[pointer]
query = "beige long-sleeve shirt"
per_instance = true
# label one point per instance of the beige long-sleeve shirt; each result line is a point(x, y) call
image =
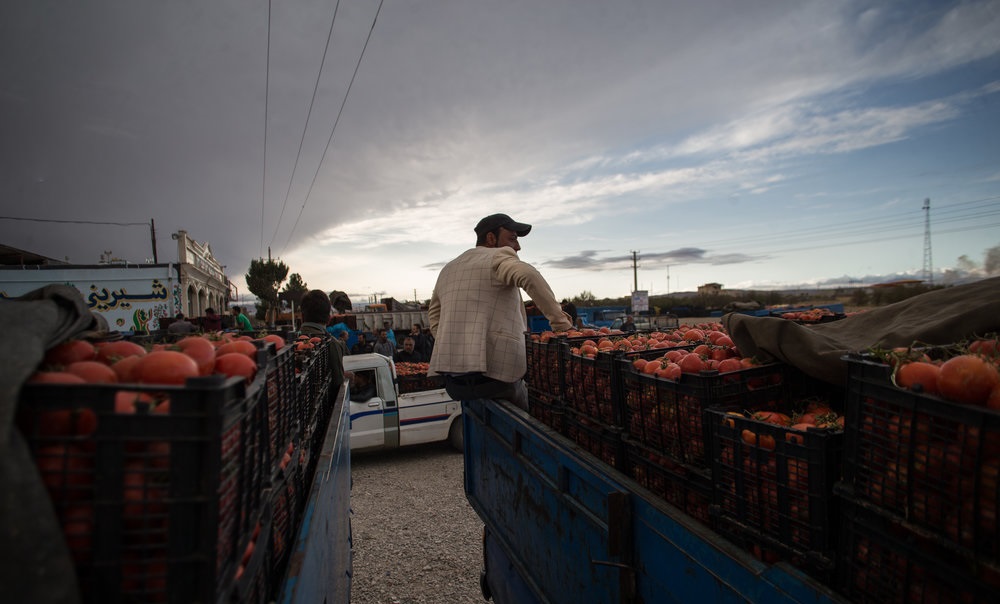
point(477, 315)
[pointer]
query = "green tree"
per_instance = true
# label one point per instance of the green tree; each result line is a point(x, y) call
point(294, 289)
point(263, 280)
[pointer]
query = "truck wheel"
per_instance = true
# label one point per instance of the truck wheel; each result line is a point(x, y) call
point(455, 434)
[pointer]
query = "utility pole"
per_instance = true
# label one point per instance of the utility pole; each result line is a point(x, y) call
point(152, 237)
point(635, 272)
point(668, 279)
point(928, 263)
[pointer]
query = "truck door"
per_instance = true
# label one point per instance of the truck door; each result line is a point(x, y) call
point(367, 410)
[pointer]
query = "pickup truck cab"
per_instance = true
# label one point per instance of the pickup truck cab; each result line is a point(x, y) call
point(385, 416)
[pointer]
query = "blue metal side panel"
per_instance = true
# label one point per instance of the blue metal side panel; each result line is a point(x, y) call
point(321, 564)
point(548, 508)
point(553, 518)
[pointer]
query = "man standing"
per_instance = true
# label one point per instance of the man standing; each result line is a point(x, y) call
point(383, 346)
point(409, 354)
point(477, 316)
point(315, 316)
point(240, 320)
point(181, 325)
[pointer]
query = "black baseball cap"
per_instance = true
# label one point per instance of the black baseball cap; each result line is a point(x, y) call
point(495, 221)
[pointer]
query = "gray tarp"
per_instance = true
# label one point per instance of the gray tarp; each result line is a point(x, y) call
point(35, 564)
point(944, 316)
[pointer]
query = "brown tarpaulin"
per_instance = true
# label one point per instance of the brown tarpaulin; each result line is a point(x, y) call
point(35, 563)
point(944, 316)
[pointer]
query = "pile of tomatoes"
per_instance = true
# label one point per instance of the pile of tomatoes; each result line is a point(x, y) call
point(123, 361)
point(970, 378)
point(65, 438)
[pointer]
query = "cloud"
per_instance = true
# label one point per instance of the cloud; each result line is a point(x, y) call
point(591, 259)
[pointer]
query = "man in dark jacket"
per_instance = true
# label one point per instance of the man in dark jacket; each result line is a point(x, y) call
point(409, 354)
point(315, 316)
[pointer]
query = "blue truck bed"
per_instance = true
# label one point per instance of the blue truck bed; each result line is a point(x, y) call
point(564, 527)
point(320, 566)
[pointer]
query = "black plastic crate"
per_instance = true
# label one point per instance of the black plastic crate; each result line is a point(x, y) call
point(776, 484)
point(880, 560)
point(544, 373)
point(588, 386)
point(604, 442)
point(550, 413)
point(286, 506)
point(666, 415)
point(923, 460)
point(688, 489)
point(255, 578)
point(412, 377)
point(157, 504)
point(313, 374)
point(282, 414)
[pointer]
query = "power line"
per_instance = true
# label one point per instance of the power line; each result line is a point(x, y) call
point(267, 96)
point(305, 127)
point(146, 224)
point(333, 130)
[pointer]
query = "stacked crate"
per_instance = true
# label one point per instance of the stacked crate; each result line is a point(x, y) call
point(921, 487)
point(156, 506)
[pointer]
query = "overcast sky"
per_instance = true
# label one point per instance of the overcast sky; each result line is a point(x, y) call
point(753, 144)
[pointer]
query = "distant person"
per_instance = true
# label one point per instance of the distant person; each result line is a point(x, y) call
point(421, 344)
point(570, 309)
point(181, 325)
point(341, 334)
point(477, 315)
point(428, 343)
point(240, 320)
point(390, 334)
point(629, 325)
point(362, 346)
point(211, 321)
point(315, 315)
point(383, 346)
point(363, 386)
point(409, 354)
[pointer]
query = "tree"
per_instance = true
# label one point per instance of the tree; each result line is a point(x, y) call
point(263, 280)
point(584, 298)
point(294, 289)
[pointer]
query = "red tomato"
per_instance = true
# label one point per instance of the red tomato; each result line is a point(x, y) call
point(109, 352)
point(165, 367)
point(279, 342)
point(764, 441)
point(67, 471)
point(772, 417)
point(124, 368)
point(235, 363)
point(93, 372)
point(55, 377)
point(918, 375)
point(65, 422)
point(125, 400)
point(244, 347)
point(670, 371)
point(731, 364)
point(993, 400)
point(691, 363)
point(70, 352)
point(967, 379)
point(201, 350)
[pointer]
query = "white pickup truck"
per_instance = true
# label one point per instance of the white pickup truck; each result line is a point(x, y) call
point(390, 411)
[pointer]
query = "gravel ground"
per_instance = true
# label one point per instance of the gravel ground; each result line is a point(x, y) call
point(416, 538)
